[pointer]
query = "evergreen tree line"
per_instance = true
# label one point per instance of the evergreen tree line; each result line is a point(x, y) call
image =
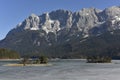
point(8, 54)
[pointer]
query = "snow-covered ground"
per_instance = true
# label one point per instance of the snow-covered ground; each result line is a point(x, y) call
point(63, 70)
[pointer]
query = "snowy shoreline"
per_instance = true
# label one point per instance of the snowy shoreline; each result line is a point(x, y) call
point(10, 59)
point(15, 65)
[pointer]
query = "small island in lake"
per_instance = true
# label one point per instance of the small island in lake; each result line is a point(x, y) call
point(98, 59)
point(6, 54)
point(39, 60)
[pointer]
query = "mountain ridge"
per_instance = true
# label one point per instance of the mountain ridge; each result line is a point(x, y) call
point(61, 29)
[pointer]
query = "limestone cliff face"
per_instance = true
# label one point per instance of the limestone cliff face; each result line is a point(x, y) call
point(82, 21)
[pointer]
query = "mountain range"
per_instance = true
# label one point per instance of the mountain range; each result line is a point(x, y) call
point(63, 33)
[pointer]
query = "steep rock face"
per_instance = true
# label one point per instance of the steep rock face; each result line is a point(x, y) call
point(109, 19)
point(86, 19)
point(63, 16)
point(49, 25)
point(31, 23)
point(61, 29)
point(111, 12)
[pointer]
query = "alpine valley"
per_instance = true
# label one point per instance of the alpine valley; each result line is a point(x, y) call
point(68, 34)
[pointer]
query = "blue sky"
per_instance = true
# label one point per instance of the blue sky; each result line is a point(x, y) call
point(13, 12)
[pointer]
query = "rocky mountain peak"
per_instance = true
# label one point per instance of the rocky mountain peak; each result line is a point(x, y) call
point(86, 19)
point(32, 22)
point(111, 12)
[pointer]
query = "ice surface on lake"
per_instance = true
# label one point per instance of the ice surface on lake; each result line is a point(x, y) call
point(63, 70)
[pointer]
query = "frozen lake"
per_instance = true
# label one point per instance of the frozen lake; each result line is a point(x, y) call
point(63, 70)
